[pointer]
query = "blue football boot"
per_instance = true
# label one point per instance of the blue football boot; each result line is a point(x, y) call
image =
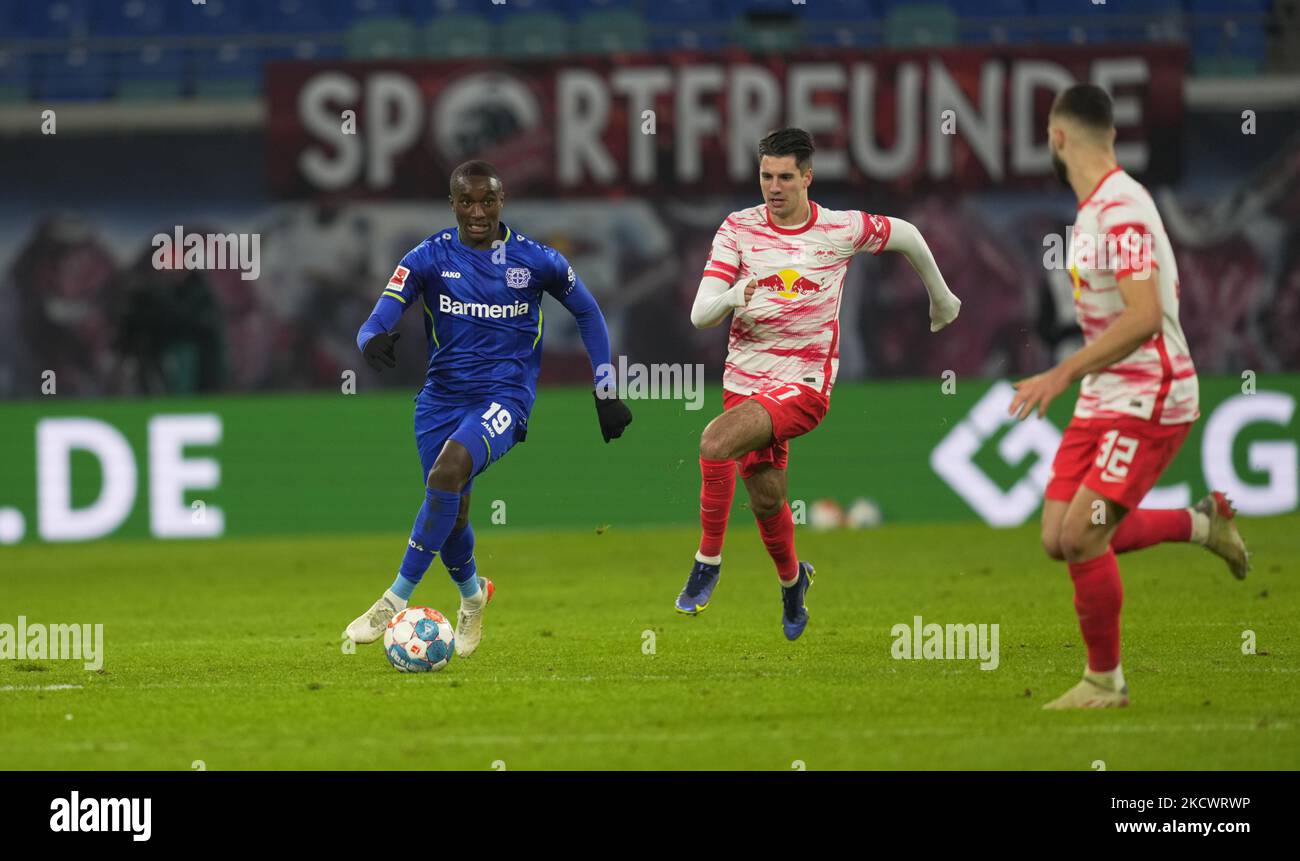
point(794, 615)
point(694, 599)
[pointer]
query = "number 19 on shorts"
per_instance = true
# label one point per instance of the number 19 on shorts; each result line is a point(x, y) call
point(496, 419)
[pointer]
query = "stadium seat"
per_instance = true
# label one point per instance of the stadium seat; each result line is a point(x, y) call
point(604, 31)
point(348, 11)
point(996, 22)
point(1229, 37)
point(768, 34)
point(229, 71)
point(685, 24)
point(534, 34)
point(211, 18)
point(15, 80)
point(1071, 21)
point(459, 34)
point(75, 75)
point(56, 19)
point(151, 72)
point(380, 38)
point(843, 23)
point(921, 24)
point(129, 18)
point(293, 16)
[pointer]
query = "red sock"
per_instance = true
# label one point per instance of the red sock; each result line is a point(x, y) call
point(778, 535)
point(717, 488)
point(1098, 596)
point(1143, 527)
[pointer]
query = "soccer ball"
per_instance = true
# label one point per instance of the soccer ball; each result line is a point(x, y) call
point(419, 640)
point(864, 514)
point(825, 515)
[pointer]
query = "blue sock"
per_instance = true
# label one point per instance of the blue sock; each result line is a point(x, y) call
point(436, 518)
point(402, 587)
point(458, 556)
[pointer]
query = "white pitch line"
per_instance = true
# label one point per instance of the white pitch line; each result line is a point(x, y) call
point(41, 688)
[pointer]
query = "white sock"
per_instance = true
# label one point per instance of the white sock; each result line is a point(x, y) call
point(398, 604)
point(708, 560)
point(1200, 526)
point(1113, 680)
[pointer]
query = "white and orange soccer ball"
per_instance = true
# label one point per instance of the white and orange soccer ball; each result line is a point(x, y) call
point(419, 640)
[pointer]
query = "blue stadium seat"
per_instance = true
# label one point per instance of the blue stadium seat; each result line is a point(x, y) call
point(56, 19)
point(212, 18)
point(576, 9)
point(75, 75)
point(1071, 21)
point(347, 11)
point(1228, 36)
point(15, 77)
point(228, 71)
point(843, 23)
point(151, 72)
point(996, 22)
point(294, 16)
point(685, 24)
point(129, 18)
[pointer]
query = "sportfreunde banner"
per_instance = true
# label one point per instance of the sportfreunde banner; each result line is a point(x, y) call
point(336, 463)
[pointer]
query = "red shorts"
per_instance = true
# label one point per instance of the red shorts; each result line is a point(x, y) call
point(1121, 459)
point(795, 409)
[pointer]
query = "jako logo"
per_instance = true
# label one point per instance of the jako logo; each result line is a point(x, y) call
point(447, 273)
point(103, 814)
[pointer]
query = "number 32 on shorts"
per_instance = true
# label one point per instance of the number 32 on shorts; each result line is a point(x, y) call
point(496, 419)
point(1115, 456)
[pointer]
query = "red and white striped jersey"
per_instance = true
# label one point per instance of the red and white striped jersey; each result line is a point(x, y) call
point(1118, 232)
point(789, 332)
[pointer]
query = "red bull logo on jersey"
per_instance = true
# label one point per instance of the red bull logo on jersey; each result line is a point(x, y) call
point(788, 284)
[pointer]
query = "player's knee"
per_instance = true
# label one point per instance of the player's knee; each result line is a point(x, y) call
point(713, 445)
point(1077, 544)
point(765, 505)
point(450, 472)
point(1052, 546)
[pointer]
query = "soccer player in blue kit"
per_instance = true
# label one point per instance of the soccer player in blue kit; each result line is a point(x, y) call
point(480, 284)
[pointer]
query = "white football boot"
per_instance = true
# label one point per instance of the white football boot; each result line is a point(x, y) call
point(370, 625)
point(1096, 691)
point(1223, 540)
point(469, 621)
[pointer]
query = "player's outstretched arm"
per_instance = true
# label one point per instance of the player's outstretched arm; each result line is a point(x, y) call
point(1141, 319)
point(907, 240)
point(613, 415)
point(376, 340)
point(716, 299)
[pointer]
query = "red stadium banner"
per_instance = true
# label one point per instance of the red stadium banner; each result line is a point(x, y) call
point(648, 125)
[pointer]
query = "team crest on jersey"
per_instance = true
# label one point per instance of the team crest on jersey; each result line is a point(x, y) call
point(517, 277)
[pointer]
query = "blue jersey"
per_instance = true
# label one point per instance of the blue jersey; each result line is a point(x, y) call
point(483, 315)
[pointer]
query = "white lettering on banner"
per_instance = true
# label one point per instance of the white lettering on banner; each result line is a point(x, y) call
point(953, 459)
point(171, 476)
point(719, 109)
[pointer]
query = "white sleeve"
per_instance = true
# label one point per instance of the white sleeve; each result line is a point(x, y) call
point(907, 240)
point(715, 300)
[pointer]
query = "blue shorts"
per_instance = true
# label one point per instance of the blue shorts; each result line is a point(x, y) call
point(488, 429)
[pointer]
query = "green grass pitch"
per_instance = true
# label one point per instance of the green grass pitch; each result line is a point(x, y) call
point(229, 652)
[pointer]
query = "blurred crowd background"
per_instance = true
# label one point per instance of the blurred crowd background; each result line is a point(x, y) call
point(161, 105)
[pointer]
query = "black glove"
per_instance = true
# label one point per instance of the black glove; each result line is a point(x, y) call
point(614, 416)
point(379, 350)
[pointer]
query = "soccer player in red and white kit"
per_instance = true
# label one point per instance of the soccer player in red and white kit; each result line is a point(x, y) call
point(778, 269)
point(1138, 397)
